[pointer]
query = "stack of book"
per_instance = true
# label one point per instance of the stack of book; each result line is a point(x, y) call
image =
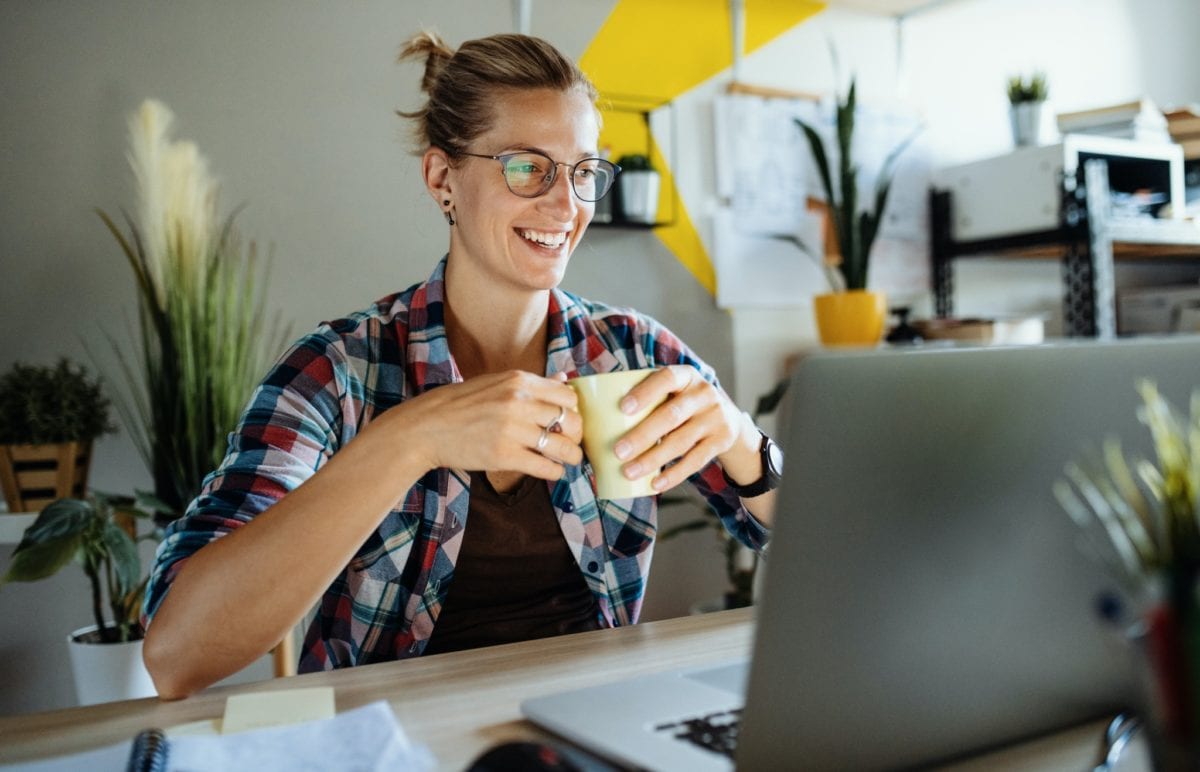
point(1184, 125)
point(1139, 120)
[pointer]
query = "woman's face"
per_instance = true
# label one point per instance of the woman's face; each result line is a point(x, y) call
point(520, 242)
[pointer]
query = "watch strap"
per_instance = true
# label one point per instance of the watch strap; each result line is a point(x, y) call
point(767, 481)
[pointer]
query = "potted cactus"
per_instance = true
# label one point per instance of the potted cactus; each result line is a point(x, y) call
point(49, 417)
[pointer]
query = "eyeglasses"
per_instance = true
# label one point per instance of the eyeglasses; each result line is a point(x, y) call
point(529, 174)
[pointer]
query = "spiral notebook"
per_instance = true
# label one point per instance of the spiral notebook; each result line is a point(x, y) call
point(364, 738)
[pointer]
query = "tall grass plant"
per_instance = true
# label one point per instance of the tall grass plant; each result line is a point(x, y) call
point(203, 340)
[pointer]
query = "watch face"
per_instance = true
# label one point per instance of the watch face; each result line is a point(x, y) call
point(774, 456)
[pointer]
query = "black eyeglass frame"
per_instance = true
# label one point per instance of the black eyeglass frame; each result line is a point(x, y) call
point(548, 184)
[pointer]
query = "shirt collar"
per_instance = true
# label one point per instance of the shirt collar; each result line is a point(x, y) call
point(575, 343)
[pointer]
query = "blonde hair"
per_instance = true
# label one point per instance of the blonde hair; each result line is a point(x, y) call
point(462, 85)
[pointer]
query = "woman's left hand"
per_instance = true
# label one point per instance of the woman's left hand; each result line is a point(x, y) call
point(695, 424)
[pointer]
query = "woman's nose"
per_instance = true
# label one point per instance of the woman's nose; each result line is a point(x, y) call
point(561, 195)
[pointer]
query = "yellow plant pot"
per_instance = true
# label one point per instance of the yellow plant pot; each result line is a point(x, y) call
point(851, 318)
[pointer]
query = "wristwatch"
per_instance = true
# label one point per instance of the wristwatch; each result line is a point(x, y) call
point(772, 468)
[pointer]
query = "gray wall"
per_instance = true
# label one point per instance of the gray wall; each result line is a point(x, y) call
point(293, 103)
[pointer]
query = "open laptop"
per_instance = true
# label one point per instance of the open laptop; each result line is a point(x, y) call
point(926, 597)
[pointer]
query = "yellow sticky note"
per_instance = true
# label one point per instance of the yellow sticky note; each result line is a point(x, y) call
point(278, 708)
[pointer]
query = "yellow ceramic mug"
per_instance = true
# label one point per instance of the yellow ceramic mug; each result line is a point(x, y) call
point(603, 424)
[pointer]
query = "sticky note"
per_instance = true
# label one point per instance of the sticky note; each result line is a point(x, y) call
point(277, 708)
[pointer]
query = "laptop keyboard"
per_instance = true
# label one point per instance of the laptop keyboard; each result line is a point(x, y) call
point(716, 732)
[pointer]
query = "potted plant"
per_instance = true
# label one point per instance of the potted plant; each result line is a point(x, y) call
point(1026, 96)
point(49, 418)
point(100, 534)
point(639, 185)
point(851, 314)
point(201, 302)
point(1141, 517)
point(740, 561)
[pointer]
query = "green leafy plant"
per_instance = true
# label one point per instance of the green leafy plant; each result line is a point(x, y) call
point(1142, 518)
point(44, 405)
point(90, 533)
point(635, 162)
point(855, 226)
point(1146, 511)
point(201, 301)
point(1028, 89)
point(740, 561)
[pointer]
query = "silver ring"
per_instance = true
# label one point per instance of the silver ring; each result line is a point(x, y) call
point(542, 440)
point(557, 422)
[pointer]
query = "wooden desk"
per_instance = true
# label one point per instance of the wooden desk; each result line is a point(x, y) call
point(458, 704)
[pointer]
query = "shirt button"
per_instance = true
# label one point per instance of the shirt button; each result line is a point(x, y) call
point(568, 507)
point(593, 566)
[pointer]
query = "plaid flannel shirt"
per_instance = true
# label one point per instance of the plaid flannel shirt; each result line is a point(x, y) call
point(334, 381)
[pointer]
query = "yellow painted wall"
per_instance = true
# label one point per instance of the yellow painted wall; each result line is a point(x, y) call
point(658, 49)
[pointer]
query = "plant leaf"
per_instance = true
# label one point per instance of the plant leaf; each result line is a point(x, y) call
point(146, 500)
point(818, 150)
point(62, 519)
point(123, 553)
point(41, 560)
point(1100, 507)
point(883, 186)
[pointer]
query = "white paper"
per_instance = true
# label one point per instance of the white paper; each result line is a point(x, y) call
point(368, 738)
point(765, 173)
point(365, 740)
point(757, 270)
point(763, 162)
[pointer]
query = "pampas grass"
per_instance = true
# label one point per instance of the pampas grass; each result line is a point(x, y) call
point(201, 303)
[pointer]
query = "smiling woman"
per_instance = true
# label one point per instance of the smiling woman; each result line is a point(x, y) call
point(377, 438)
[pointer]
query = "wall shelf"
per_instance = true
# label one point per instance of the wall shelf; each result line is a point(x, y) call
point(642, 108)
point(1088, 241)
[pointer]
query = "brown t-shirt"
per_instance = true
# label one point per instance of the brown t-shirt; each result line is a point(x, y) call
point(515, 578)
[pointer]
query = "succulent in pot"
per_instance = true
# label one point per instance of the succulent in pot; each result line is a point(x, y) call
point(638, 184)
point(49, 417)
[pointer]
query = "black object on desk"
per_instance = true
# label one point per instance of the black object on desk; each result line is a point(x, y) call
point(527, 756)
point(149, 752)
point(903, 332)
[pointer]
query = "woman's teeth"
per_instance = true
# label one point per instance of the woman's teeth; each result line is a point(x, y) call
point(545, 239)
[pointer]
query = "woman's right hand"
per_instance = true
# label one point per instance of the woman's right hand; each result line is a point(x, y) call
point(494, 423)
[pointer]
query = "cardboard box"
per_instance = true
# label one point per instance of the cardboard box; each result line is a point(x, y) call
point(1156, 310)
point(1012, 330)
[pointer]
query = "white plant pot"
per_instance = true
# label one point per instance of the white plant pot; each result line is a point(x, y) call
point(105, 672)
point(1026, 118)
point(639, 196)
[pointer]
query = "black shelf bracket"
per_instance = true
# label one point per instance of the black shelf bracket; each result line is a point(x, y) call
point(1085, 233)
point(942, 252)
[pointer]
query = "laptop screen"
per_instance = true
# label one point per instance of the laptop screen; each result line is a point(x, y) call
point(925, 596)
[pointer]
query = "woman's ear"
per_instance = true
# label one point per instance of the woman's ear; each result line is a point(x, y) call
point(435, 168)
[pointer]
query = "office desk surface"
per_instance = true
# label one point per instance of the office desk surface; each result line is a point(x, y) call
point(461, 703)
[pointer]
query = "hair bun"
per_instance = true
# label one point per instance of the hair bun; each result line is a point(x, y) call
point(429, 45)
